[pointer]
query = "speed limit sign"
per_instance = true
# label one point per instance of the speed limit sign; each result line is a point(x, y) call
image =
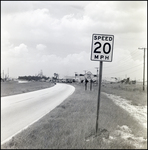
point(102, 47)
point(101, 50)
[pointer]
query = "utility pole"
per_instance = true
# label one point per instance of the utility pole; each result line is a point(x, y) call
point(3, 74)
point(85, 74)
point(143, 68)
point(8, 72)
point(75, 74)
point(97, 74)
point(85, 71)
point(85, 80)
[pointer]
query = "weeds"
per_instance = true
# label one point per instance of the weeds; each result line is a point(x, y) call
point(72, 125)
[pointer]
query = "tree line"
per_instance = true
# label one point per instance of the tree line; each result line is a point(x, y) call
point(35, 78)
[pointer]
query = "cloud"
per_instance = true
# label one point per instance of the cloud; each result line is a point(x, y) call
point(119, 19)
point(30, 26)
point(57, 36)
point(22, 48)
point(41, 47)
point(39, 25)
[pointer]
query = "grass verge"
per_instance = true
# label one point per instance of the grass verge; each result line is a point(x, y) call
point(72, 125)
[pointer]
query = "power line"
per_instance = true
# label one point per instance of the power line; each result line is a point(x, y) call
point(122, 66)
point(121, 73)
point(126, 69)
point(111, 67)
point(125, 63)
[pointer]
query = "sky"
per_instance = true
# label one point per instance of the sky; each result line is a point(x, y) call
point(56, 37)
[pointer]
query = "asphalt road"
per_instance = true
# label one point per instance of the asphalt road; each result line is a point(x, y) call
point(20, 111)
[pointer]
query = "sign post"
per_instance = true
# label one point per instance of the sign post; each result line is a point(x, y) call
point(99, 92)
point(91, 85)
point(86, 84)
point(101, 50)
point(88, 77)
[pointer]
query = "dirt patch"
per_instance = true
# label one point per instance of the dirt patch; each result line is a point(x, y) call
point(123, 136)
point(138, 112)
point(101, 133)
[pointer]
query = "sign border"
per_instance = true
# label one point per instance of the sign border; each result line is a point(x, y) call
point(112, 48)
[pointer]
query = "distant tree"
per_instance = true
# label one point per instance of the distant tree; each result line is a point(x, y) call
point(30, 78)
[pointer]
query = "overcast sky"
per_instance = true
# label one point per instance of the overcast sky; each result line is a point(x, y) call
point(56, 37)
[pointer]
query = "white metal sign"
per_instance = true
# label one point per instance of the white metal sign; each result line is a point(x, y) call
point(102, 47)
point(89, 75)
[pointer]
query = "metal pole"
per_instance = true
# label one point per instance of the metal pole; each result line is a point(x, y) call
point(143, 68)
point(8, 72)
point(99, 92)
point(97, 75)
point(75, 75)
point(3, 74)
point(90, 84)
point(144, 71)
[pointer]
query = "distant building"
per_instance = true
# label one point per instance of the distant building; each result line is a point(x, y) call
point(77, 78)
point(68, 79)
point(110, 80)
point(81, 77)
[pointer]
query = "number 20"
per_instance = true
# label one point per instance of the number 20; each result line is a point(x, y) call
point(104, 46)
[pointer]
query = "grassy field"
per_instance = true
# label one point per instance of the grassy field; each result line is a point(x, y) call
point(72, 124)
point(133, 92)
point(13, 87)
